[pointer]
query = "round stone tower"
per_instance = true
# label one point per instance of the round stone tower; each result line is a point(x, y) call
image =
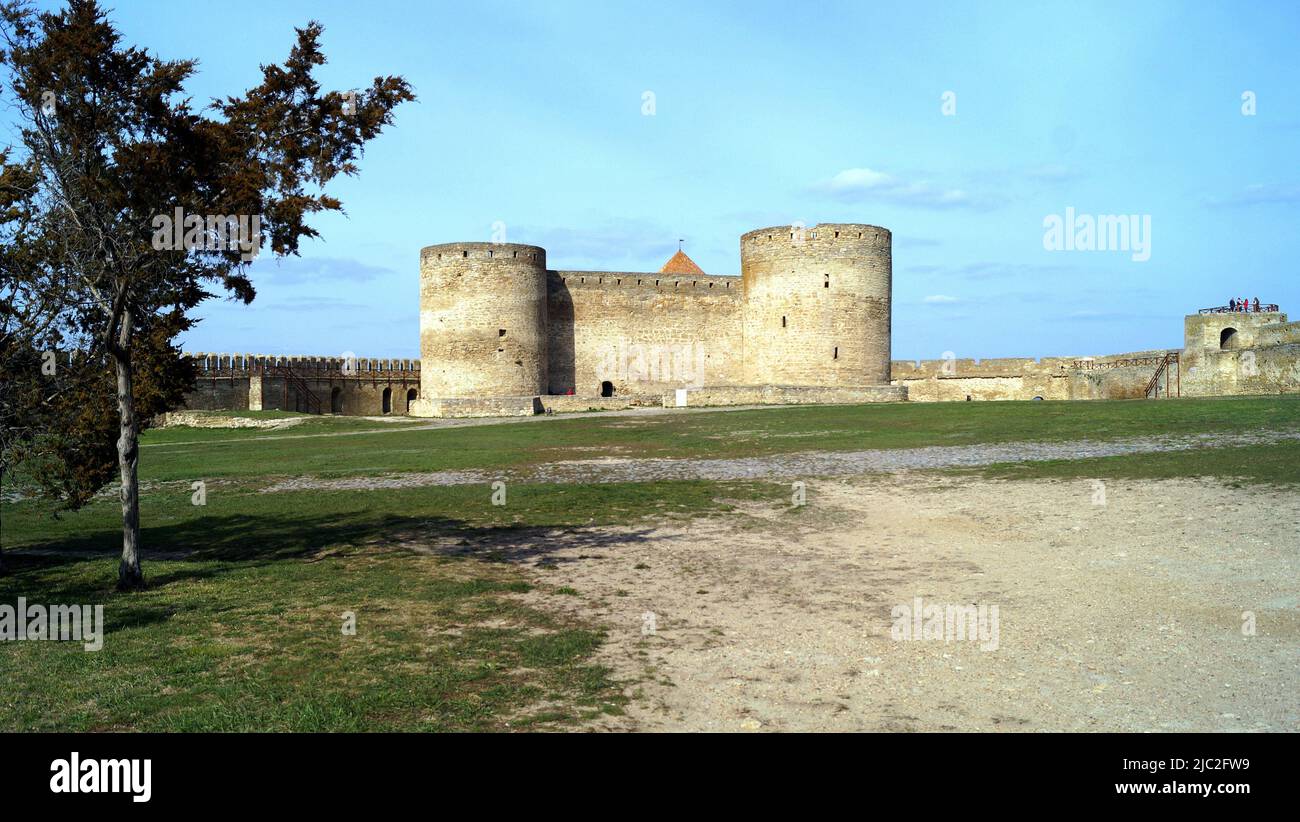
point(482, 320)
point(817, 305)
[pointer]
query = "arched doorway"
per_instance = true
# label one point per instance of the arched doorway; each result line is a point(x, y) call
point(336, 400)
point(411, 394)
point(1227, 338)
point(607, 389)
point(388, 401)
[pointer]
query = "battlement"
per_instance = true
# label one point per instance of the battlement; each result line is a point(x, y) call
point(633, 279)
point(484, 251)
point(822, 234)
point(967, 367)
point(244, 365)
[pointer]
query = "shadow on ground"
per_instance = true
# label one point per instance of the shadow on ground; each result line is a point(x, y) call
point(208, 546)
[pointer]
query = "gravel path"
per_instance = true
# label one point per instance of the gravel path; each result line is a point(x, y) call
point(802, 464)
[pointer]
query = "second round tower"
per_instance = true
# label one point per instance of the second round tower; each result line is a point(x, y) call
point(817, 305)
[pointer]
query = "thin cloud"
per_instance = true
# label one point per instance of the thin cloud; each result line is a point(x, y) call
point(865, 184)
point(1052, 173)
point(300, 305)
point(998, 271)
point(908, 241)
point(1261, 194)
point(940, 299)
point(295, 270)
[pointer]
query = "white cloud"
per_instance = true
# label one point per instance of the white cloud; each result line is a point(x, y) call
point(860, 178)
point(940, 298)
point(860, 184)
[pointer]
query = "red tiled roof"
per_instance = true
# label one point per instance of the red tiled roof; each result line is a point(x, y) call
point(679, 263)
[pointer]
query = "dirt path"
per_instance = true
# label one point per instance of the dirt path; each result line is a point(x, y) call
point(789, 466)
point(1126, 616)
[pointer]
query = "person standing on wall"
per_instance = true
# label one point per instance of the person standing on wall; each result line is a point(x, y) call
point(1257, 305)
point(1232, 304)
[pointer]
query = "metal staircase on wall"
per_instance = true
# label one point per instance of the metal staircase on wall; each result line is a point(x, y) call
point(300, 386)
point(1169, 363)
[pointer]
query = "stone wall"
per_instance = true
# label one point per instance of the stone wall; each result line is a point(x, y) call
point(484, 406)
point(1282, 333)
point(1120, 383)
point(259, 382)
point(642, 333)
point(782, 395)
point(570, 404)
point(1273, 369)
point(218, 393)
point(1223, 354)
point(1115, 376)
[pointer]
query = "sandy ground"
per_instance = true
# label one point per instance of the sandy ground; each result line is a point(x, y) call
point(1125, 616)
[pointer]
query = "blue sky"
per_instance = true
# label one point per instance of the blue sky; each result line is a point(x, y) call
point(530, 114)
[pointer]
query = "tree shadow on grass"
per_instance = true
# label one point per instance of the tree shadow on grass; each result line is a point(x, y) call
point(82, 570)
point(212, 545)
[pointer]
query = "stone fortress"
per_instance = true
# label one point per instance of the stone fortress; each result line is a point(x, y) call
point(808, 321)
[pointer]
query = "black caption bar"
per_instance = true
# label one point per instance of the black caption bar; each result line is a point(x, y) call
point(142, 773)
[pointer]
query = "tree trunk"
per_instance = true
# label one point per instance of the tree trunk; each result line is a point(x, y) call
point(3, 569)
point(129, 575)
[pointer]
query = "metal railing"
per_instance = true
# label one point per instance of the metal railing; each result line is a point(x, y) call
point(1153, 385)
point(1249, 309)
point(1122, 362)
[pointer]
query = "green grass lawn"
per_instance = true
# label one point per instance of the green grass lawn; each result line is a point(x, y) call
point(240, 626)
point(1276, 464)
point(369, 447)
point(258, 645)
